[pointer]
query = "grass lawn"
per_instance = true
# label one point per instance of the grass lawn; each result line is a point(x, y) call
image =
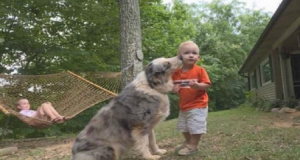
point(242, 133)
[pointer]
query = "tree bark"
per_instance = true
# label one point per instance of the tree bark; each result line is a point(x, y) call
point(130, 40)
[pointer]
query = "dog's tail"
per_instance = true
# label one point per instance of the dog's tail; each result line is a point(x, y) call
point(86, 151)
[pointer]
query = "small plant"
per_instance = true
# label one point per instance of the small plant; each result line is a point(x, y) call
point(262, 104)
point(248, 95)
point(291, 102)
point(277, 103)
point(265, 104)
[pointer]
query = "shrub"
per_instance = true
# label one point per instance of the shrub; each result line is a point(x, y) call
point(291, 102)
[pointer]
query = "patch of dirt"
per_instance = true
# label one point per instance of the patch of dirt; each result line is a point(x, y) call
point(287, 120)
point(283, 124)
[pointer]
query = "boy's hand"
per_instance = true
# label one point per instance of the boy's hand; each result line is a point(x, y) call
point(194, 85)
point(176, 88)
point(200, 86)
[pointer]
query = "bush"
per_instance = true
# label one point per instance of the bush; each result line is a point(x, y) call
point(266, 105)
point(291, 102)
point(262, 104)
point(277, 103)
point(174, 108)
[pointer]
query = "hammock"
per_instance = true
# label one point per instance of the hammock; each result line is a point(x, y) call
point(69, 93)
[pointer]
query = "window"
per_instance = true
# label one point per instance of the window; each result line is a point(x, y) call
point(253, 81)
point(265, 69)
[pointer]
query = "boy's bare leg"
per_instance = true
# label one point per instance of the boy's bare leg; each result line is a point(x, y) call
point(194, 140)
point(187, 136)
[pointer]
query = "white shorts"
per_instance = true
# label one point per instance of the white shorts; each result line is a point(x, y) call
point(193, 121)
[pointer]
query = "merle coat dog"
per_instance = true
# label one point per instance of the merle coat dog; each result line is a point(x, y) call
point(129, 119)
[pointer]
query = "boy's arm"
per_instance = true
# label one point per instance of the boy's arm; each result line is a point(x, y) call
point(203, 82)
point(176, 88)
point(199, 86)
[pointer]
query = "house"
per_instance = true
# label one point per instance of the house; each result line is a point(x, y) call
point(273, 65)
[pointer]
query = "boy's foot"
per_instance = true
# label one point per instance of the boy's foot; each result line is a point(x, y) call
point(181, 146)
point(187, 150)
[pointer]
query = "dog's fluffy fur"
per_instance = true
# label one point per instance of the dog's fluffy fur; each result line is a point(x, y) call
point(128, 120)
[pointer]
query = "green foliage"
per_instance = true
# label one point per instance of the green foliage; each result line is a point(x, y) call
point(259, 103)
point(277, 103)
point(164, 28)
point(291, 102)
point(50, 36)
point(174, 106)
point(226, 33)
point(17, 129)
point(77, 123)
point(265, 104)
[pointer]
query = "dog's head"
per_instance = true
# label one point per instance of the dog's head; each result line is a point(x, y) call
point(160, 70)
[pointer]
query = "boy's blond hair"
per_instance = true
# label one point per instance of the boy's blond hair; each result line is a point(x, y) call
point(187, 43)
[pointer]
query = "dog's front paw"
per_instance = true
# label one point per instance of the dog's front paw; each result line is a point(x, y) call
point(160, 152)
point(152, 157)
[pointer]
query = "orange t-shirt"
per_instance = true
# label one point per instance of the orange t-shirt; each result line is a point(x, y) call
point(192, 98)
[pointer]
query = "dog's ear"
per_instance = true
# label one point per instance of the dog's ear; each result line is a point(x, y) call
point(158, 68)
point(156, 73)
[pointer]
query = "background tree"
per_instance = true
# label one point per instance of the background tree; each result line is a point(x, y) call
point(51, 36)
point(131, 40)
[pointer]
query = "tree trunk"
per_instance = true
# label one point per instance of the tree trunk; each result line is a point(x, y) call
point(131, 41)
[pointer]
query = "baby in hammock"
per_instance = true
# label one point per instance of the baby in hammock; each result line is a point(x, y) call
point(44, 112)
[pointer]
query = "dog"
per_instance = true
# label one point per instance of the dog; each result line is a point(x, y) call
point(129, 119)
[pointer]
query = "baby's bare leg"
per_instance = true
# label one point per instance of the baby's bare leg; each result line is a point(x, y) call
point(49, 111)
point(41, 111)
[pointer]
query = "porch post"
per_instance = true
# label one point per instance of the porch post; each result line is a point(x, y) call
point(283, 73)
point(277, 74)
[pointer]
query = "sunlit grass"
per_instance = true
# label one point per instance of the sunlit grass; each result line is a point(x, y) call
point(242, 133)
point(237, 134)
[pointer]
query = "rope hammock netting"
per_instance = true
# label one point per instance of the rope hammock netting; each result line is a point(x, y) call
point(69, 93)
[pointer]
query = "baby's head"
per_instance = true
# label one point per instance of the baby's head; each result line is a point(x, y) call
point(23, 104)
point(189, 52)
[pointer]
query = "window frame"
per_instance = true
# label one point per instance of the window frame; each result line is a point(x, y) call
point(262, 75)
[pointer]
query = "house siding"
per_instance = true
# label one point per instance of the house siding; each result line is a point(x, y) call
point(267, 91)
